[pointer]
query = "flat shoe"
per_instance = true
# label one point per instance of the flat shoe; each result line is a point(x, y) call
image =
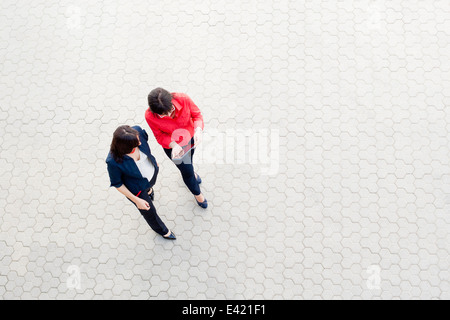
point(171, 236)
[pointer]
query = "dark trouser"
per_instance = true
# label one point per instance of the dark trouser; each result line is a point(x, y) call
point(150, 215)
point(187, 171)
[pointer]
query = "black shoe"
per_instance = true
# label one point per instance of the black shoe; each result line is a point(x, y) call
point(171, 236)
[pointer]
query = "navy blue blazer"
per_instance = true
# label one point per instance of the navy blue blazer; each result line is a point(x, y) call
point(127, 173)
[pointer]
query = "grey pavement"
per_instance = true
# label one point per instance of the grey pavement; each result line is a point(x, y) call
point(325, 159)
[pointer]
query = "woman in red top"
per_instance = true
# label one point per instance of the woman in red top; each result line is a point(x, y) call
point(177, 124)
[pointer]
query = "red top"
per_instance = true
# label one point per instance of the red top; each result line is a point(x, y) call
point(181, 128)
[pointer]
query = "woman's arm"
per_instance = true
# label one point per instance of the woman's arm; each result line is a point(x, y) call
point(196, 114)
point(140, 203)
point(115, 176)
point(197, 119)
point(163, 138)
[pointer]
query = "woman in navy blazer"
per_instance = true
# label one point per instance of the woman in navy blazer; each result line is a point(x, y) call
point(133, 171)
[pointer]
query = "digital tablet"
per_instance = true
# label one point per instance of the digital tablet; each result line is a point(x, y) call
point(186, 151)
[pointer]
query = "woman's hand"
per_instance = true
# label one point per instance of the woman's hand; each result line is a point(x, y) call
point(177, 151)
point(142, 204)
point(198, 136)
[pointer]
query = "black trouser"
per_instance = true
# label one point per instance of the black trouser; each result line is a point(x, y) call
point(150, 215)
point(187, 171)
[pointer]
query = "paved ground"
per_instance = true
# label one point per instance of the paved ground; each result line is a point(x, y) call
point(334, 181)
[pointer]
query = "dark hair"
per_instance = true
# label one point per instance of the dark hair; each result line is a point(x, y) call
point(160, 101)
point(125, 139)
